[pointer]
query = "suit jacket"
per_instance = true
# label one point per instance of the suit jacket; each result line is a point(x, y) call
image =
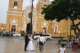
point(26, 39)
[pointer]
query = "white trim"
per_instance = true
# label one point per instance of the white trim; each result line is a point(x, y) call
point(15, 0)
point(14, 9)
point(44, 24)
point(55, 26)
point(15, 14)
point(34, 26)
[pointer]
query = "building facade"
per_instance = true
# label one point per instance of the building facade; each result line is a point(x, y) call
point(17, 20)
point(43, 25)
point(14, 15)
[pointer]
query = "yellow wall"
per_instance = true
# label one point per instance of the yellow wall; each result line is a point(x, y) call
point(14, 14)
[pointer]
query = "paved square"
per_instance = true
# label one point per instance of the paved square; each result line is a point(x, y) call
point(16, 45)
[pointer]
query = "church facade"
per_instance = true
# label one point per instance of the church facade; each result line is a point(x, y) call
point(17, 20)
point(14, 15)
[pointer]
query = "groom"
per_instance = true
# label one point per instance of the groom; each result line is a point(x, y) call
point(26, 42)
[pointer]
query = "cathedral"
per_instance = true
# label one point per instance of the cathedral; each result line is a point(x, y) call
point(17, 20)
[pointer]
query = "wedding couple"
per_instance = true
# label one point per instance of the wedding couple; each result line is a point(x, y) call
point(29, 46)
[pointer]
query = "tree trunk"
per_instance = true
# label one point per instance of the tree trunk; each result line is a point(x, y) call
point(76, 30)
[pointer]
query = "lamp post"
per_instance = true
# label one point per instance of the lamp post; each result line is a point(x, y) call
point(31, 15)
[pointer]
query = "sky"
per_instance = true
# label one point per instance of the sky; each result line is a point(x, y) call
point(4, 8)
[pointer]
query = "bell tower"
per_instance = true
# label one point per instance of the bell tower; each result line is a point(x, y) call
point(14, 15)
point(43, 25)
point(40, 4)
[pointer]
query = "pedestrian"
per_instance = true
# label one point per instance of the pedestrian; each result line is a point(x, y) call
point(69, 43)
point(62, 49)
point(75, 45)
point(26, 42)
point(41, 43)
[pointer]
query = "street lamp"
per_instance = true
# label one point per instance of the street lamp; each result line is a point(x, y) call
point(31, 15)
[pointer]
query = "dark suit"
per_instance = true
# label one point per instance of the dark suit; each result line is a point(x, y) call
point(26, 42)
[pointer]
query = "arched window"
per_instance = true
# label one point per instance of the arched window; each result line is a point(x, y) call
point(15, 4)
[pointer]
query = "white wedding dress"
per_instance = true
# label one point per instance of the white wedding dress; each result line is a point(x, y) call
point(30, 45)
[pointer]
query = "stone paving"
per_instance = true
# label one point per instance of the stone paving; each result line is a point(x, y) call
point(16, 45)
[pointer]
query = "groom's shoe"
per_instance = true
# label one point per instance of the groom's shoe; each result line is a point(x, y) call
point(25, 50)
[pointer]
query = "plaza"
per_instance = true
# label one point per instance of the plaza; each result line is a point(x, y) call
point(16, 45)
point(20, 20)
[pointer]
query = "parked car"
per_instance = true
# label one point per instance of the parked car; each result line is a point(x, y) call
point(36, 36)
point(16, 34)
point(46, 36)
point(3, 33)
point(6, 34)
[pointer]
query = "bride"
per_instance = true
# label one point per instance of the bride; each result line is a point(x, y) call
point(30, 44)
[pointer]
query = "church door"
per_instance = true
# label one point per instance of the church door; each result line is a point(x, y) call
point(13, 28)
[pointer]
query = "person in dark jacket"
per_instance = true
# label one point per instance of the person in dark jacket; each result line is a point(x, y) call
point(26, 42)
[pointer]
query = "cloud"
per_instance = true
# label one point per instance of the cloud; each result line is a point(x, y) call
point(3, 10)
point(28, 3)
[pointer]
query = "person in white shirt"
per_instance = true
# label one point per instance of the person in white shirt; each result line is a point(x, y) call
point(41, 41)
point(62, 49)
